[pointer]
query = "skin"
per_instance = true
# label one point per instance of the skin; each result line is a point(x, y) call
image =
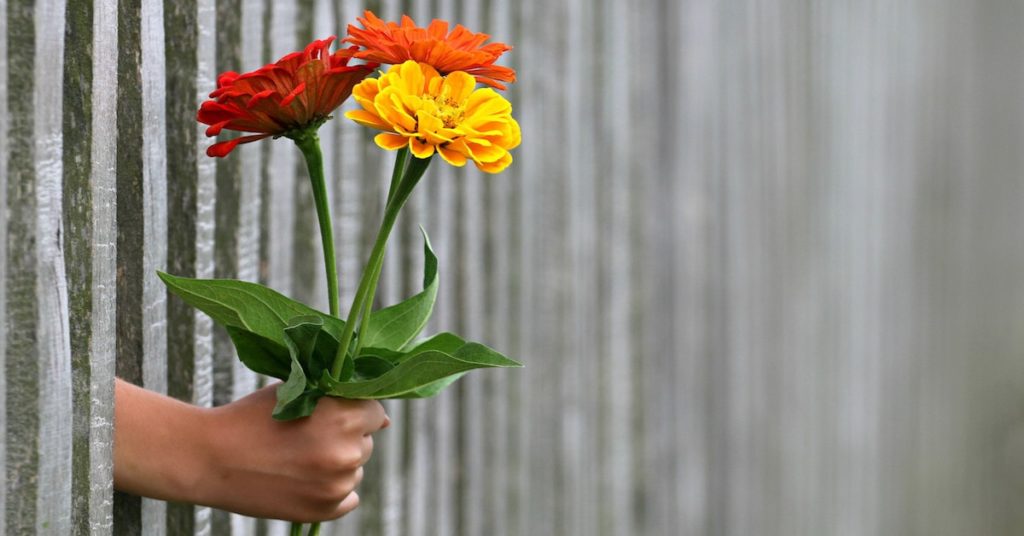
point(237, 458)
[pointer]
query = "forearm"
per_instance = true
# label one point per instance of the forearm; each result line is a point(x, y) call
point(160, 444)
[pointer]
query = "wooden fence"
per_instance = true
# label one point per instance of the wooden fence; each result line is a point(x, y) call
point(763, 261)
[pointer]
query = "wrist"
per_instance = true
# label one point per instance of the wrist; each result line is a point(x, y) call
point(161, 445)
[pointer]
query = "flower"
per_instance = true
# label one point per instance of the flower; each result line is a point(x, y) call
point(419, 108)
point(460, 50)
point(298, 92)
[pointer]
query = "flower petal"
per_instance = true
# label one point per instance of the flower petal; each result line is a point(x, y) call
point(390, 142)
point(222, 149)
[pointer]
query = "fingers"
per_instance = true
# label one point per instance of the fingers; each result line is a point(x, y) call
point(353, 416)
point(376, 418)
point(367, 447)
point(350, 503)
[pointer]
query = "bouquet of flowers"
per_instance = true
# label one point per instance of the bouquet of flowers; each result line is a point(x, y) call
point(427, 102)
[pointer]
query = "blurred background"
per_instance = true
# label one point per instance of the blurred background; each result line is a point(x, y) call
point(762, 259)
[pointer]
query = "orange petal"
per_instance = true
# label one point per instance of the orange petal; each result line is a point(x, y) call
point(390, 142)
point(368, 119)
point(451, 156)
point(420, 149)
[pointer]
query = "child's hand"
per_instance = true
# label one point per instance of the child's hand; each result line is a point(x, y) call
point(238, 458)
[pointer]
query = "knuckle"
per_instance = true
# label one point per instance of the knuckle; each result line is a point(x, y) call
point(348, 458)
point(337, 490)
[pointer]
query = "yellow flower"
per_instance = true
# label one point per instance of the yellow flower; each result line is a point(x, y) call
point(419, 108)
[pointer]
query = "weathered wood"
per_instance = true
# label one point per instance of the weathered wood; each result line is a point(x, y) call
point(88, 234)
point(5, 172)
point(21, 368)
point(142, 224)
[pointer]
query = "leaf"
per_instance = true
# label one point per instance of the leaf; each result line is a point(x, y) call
point(246, 306)
point(432, 389)
point(291, 402)
point(296, 397)
point(370, 367)
point(422, 371)
point(393, 327)
point(260, 354)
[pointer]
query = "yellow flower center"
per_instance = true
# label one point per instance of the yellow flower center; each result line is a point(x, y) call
point(445, 107)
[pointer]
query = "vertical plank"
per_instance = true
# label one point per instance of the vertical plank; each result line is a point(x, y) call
point(188, 363)
point(142, 223)
point(4, 181)
point(21, 363)
point(89, 233)
point(53, 501)
point(104, 236)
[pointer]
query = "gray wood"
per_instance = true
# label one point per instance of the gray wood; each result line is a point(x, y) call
point(4, 173)
point(53, 502)
point(21, 369)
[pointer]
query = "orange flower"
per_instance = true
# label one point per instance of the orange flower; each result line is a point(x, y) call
point(281, 99)
point(460, 50)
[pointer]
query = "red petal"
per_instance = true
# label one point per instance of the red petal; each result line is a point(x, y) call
point(222, 149)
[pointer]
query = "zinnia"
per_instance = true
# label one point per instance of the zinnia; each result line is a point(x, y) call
point(460, 50)
point(419, 108)
point(296, 93)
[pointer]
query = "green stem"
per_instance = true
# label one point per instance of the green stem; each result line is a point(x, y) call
point(367, 284)
point(309, 144)
point(396, 180)
point(314, 529)
point(296, 529)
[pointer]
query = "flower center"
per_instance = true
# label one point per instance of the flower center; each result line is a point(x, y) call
point(446, 108)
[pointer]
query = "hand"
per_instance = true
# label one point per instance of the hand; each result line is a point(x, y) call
point(238, 458)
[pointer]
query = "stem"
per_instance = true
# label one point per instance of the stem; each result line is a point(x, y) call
point(309, 144)
point(296, 529)
point(397, 175)
point(314, 529)
point(368, 282)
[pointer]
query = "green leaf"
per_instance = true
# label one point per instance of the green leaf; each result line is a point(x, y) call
point(393, 327)
point(370, 367)
point(291, 400)
point(423, 371)
point(246, 306)
point(432, 389)
point(261, 354)
point(296, 397)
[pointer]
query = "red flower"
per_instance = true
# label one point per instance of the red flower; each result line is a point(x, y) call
point(298, 92)
point(460, 50)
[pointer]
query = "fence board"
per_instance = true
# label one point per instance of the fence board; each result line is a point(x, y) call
point(4, 181)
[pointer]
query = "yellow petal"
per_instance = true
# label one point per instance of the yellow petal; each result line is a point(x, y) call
point(389, 141)
point(497, 166)
point(459, 86)
point(420, 149)
point(367, 119)
point(365, 91)
point(453, 157)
